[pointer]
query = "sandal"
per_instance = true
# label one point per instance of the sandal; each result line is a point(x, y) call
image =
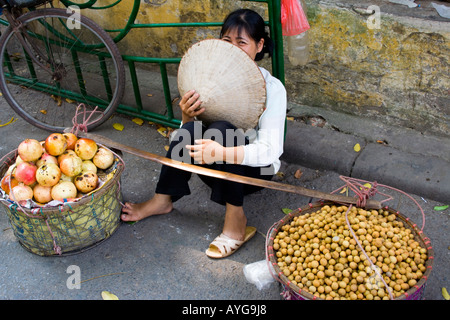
point(223, 246)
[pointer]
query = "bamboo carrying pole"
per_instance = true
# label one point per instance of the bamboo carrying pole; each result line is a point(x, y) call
point(369, 204)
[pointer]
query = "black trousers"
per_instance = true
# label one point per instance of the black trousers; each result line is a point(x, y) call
point(174, 182)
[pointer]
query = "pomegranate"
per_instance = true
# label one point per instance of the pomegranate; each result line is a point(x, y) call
point(65, 154)
point(26, 173)
point(55, 144)
point(42, 194)
point(21, 192)
point(86, 148)
point(64, 190)
point(65, 178)
point(71, 165)
point(29, 150)
point(48, 175)
point(88, 165)
point(104, 158)
point(46, 158)
point(86, 182)
point(71, 140)
point(11, 170)
point(6, 180)
point(19, 159)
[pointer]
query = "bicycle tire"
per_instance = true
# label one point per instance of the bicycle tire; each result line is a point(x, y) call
point(49, 104)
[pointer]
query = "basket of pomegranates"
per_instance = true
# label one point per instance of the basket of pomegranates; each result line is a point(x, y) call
point(62, 195)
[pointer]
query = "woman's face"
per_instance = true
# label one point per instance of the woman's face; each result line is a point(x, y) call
point(244, 41)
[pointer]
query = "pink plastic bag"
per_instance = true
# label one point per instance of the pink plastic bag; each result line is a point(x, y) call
point(293, 18)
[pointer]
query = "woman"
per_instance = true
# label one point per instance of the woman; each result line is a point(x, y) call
point(256, 155)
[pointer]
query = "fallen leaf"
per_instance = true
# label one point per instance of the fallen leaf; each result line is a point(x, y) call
point(367, 185)
point(106, 295)
point(118, 126)
point(357, 147)
point(166, 148)
point(286, 210)
point(70, 100)
point(43, 111)
point(57, 99)
point(149, 95)
point(441, 208)
point(138, 121)
point(280, 174)
point(445, 293)
point(9, 122)
point(290, 118)
point(344, 189)
point(163, 131)
point(298, 174)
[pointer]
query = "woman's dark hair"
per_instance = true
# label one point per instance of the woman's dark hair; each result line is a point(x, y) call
point(253, 24)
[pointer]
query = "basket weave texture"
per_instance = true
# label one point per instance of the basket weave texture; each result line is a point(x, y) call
point(293, 292)
point(71, 227)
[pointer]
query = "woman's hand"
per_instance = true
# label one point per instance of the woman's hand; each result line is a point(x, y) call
point(206, 151)
point(190, 106)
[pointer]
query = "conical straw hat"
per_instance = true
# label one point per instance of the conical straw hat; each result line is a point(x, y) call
point(229, 82)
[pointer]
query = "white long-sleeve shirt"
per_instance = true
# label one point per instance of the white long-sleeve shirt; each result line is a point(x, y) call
point(266, 140)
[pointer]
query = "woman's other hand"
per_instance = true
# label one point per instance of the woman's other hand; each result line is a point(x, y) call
point(190, 105)
point(206, 151)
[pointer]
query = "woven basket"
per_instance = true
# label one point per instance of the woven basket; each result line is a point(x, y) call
point(70, 228)
point(293, 292)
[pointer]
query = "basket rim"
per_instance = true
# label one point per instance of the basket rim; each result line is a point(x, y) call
point(47, 211)
point(270, 257)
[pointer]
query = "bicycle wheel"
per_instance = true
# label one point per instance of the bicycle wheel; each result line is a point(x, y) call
point(80, 63)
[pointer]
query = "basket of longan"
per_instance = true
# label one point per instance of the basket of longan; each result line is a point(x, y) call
point(331, 251)
point(62, 195)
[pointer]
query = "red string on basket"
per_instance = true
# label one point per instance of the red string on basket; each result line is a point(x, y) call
point(364, 193)
point(84, 125)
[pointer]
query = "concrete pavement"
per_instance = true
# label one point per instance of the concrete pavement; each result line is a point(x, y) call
point(163, 257)
point(398, 157)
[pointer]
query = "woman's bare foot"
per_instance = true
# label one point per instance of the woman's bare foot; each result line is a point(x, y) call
point(159, 204)
point(235, 222)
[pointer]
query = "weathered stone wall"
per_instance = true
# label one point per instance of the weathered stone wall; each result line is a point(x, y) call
point(398, 73)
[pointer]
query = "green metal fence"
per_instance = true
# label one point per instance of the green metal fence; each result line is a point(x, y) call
point(167, 118)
